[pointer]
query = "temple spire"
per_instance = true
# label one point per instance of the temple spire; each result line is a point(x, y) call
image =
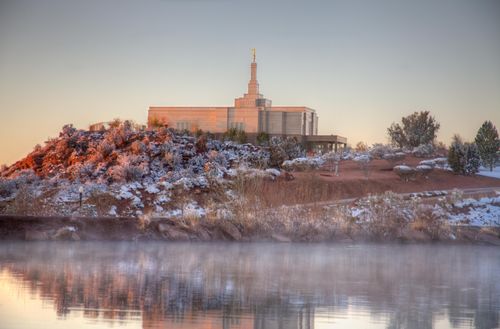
point(253, 85)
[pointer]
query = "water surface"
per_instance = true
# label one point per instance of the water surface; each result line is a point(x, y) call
point(228, 285)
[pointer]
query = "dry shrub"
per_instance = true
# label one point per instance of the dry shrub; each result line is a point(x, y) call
point(143, 221)
point(309, 189)
point(430, 222)
point(386, 215)
point(105, 148)
point(102, 201)
point(24, 202)
point(137, 147)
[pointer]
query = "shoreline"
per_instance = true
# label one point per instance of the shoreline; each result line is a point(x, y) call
point(119, 229)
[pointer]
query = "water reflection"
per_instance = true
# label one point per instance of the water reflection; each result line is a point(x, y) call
point(261, 285)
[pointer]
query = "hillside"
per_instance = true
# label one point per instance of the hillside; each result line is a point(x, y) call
point(130, 171)
point(177, 186)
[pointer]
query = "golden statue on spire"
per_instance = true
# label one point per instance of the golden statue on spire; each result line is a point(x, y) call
point(253, 54)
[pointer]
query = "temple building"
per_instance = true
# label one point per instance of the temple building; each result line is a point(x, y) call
point(251, 113)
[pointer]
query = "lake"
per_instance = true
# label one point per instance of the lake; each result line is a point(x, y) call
point(248, 285)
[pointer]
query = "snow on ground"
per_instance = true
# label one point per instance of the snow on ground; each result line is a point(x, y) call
point(482, 212)
point(486, 172)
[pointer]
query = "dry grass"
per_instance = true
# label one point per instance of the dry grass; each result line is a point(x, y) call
point(281, 192)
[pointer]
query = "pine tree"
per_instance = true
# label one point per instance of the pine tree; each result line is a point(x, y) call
point(456, 155)
point(472, 159)
point(488, 144)
point(463, 158)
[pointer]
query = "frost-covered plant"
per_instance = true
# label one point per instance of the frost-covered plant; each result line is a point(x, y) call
point(126, 173)
point(386, 215)
point(283, 149)
point(105, 148)
point(424, 170)
point(394, 158)
point(81, 171)
point(257, 159)
point(24, 201)
point(406, 173)
point(303, 164)
point(196, 164)
point(7, 188)
point(137, 147)
point(423, 151)
point(377, 151)
point(293, 148)
point(364, 162)
point(431, 220)
point(173, 159)
point(24, 176)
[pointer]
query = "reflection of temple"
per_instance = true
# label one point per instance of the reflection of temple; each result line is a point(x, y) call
point(240, 287)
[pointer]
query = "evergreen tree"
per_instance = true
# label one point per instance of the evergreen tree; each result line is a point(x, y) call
point(456, 155)
point(472, 159)
point(488, 144)
point(417, 129)
point(463, 158)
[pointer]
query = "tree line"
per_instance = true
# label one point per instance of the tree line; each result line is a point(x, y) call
point(420, 128)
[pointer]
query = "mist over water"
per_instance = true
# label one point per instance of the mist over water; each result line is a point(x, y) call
point(229, 285)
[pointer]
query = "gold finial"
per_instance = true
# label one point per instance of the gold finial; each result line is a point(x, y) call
point(253, 54)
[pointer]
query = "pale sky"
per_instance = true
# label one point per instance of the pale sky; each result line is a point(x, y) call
point(360, 64)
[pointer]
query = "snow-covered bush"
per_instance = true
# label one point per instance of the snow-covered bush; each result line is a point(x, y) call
point(385, 215)
point(440, 163)
point(7, 188)
point(173, 159)
point(394, 158)
point(377, 151)
point(126, 173)
point(25, 177)
point(81, 171)
point(196, 164)
point(364, 162)
point(283, 149)
point(137, 147)
point(105, 148)
point(423, 151)
point(404, 172)
point(303, 164)
point(424, 170)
